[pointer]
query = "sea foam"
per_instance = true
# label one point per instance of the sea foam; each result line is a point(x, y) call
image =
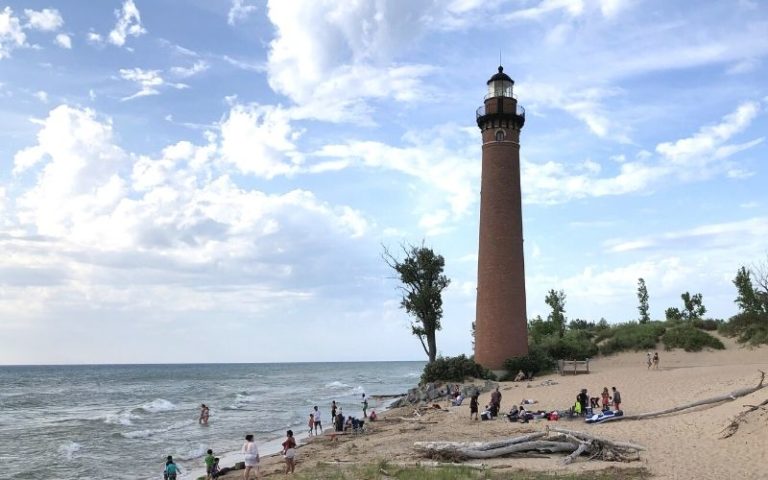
point(68, 449)
point(158, 405)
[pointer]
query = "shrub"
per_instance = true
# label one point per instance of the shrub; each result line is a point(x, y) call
point(537, 361)
point(454, 369)
point(575, 345)
point(632, 336)
point(747, 327)
point(709, 324)
point(690, 339)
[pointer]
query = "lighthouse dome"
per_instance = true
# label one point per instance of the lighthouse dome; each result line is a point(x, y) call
point(500, 85)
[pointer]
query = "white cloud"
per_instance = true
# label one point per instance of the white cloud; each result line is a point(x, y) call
point(693, 158)
point(443, 159)
point(42, 96)
point(698, 149)
point(95, 38)
point(714, 236)
point(544, 7)
point(104, 212)
point(259, 140)
point(150, 82)
point(46, 20)
point(11, 34)
point(128, 24)
point(245, 65)
point(239, 11)
point(185, 72)
point(63, 40)
point(328, 57)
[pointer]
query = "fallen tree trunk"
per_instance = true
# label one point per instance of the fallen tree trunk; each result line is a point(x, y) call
point(478, 445)
point(721, 398)
point(733, 427)
point(541, 446)
point(553, 440)
point(588, 437)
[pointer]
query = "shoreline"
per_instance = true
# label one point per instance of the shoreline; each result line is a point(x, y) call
point(687, 444)
point(272, 448)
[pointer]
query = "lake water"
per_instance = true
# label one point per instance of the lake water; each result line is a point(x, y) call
point(121, 421)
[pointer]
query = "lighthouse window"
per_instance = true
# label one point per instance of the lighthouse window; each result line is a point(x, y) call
point(499, 135)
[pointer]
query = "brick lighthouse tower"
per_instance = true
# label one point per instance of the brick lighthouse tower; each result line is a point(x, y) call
point(501, 325)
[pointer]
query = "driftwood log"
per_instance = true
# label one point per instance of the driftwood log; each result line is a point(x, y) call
point(733, 427)
point(742, 392)
point(550, 441)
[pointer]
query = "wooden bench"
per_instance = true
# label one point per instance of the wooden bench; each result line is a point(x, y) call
point(573, 366)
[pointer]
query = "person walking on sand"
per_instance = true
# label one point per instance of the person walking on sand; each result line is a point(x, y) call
point(495, 402)
point(648, 360)
point(251, 457)
point(616, 399)
point(318, 421)
point(473, 405)
point(204, 413)
point(655, 360)
point(289, 452)
point(311, 423)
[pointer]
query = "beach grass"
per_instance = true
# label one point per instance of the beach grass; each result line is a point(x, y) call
point(382, 471)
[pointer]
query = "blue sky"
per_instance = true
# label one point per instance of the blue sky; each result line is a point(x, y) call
point(197, 181)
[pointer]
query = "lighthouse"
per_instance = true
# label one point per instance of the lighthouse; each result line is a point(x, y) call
point(501, 325)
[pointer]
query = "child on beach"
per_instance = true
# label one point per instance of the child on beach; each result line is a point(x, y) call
point(311, 423)
point(215, 470)
point(171, 469)
point(606, 399)
point(209, 461)
point(289, 452)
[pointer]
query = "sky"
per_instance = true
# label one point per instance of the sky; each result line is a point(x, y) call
point(214, 181)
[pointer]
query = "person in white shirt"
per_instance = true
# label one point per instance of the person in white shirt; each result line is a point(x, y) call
point(251, 457)
point(318, 421)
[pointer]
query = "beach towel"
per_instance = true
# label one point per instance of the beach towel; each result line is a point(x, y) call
point(605, 416)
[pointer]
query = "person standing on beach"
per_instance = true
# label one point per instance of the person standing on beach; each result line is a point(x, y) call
point(318, 421)
point(649, 360)
point(289, 452)
point(333, 411)
point(209, 461)
point(365, 407)
point(655, 360)
point(171, 469)
point(616, 399)
point(251, 457)
point(473, 405)
point(311, 423)
point(495, 402)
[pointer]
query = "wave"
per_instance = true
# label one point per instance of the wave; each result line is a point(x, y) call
point(158, 405)
point(413, 375)
point(194, 453)
point(150, 432)
point(68, 449)
point(122, 418)
point(336, 385)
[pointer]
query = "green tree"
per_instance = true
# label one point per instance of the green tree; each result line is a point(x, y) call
point(642, 298)
point(693, 309)
point(751, 323)
point(422, 283)
point(556, 301)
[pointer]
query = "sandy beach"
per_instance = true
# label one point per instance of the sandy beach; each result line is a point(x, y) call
point(679, 446)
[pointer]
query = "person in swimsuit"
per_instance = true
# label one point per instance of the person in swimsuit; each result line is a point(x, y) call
point(289, 452)
point(251, 457)
point(204, 413)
